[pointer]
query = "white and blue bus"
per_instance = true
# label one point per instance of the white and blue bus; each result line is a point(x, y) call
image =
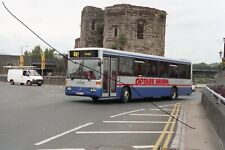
point(103, 73)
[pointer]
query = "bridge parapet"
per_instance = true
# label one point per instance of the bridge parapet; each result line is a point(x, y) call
point(214, 105)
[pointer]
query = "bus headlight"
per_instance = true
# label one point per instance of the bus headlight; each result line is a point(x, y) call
point(92, 89)
point(69, 88)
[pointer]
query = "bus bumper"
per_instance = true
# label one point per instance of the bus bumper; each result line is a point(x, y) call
point(83, 91)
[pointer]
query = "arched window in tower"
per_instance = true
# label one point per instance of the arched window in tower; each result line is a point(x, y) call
point(140, 30)
point(115, 32)
point(93, 24)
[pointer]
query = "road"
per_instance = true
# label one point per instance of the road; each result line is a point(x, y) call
point(41, 118)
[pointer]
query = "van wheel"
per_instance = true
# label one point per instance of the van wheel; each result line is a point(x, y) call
point(12, 82)
point(125, 95)
point(173, 94)
point(29, 83)
point(39, 84)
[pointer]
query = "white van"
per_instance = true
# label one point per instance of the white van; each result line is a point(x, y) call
point(24, 76)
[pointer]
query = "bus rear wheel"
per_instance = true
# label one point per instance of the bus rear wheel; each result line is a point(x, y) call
point(95, 99)
point(173, 94)
point(125, 95)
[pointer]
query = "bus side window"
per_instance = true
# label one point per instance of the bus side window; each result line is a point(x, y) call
point(139, 68)
point(173, 71)
point(182, 72)
point(126, 66)
point(163, 69)
point(152, 69)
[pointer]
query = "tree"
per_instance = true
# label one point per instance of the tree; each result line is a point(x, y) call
point(49, 53)
point(204, 66)
point(36, 52)
point(50, 56)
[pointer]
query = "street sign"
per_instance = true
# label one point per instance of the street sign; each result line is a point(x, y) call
point(42, 60)
point(21, 60)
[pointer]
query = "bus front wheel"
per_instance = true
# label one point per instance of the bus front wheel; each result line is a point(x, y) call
point(173, 94)
point(125, 95)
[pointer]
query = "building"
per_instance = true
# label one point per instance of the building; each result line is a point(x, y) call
point(125, 27)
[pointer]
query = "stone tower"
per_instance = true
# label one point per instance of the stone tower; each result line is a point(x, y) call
point(92, 27)
point(142, 28)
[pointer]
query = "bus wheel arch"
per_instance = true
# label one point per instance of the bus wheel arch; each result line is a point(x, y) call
point(125, 94)
point(173, 93)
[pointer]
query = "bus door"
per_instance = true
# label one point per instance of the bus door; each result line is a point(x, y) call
point(110, 70)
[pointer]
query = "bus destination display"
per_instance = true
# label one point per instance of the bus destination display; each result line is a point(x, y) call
point(77, 54)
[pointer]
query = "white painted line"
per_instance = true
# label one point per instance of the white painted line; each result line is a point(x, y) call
point(65, 149)
point(62, 134)
point(158, 115)
point(143, 146)
point(126, 113)
point(119, 132)
point(144, 122)
point(166, 105)
point(160, 109)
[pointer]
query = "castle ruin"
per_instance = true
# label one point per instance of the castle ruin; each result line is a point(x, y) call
point(125, 27)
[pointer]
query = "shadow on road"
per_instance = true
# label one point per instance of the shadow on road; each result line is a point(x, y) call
point(115, 101)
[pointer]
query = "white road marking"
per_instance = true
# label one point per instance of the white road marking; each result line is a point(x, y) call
point(62, 134)
point(144, 122)
point(119, 132)
point(163, 109)
point(143, 146)
point(65, 149)
point(126, 113)
point(158, 115)
point(166, 105)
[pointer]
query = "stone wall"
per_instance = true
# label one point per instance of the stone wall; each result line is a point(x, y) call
point(92, 27)
point(215, 112)
point(125, 19)
point(143, 27)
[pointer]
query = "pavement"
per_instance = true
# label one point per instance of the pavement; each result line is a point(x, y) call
point(203, 137)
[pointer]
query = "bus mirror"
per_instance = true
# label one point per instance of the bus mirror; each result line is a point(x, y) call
point(99, 63)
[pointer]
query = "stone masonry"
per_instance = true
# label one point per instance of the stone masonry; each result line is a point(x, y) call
point(142, 28)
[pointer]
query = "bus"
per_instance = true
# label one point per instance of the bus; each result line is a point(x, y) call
point(107, 73)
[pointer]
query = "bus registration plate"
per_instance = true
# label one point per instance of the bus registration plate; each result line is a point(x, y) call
point(79, 93)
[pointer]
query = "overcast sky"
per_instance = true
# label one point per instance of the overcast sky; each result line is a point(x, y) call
point(194, 31)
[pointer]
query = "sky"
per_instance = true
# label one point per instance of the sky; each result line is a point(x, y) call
point(194, 28)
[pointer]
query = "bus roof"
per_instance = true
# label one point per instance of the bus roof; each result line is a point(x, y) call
point(136, 55)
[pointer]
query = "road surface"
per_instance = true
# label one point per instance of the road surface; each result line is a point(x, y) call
point(42, 118)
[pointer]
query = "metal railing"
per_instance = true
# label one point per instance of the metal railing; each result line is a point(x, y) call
point(216, 95)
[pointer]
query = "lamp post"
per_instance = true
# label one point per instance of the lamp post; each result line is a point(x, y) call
point(223, 59)
point(220, 53)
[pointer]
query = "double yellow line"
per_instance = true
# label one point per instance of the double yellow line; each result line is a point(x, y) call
point(170, 123)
